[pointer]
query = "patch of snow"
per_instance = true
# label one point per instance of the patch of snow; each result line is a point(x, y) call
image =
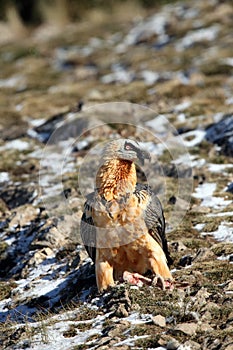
point(49, 334)
point(19, 107)
point(153, 148)
point(192, 160)
point(154, 25)
point(228, 61)
point(159, 123)
point(4, 176)
point(196, 135)
point(16, 144)
point(198, 162)
point(149, 77)
point(36, 122)
point(10, 240)
point(199, 227)
point(215, 202)
point(225, 213)
point(223, 233)
point(32, 133)
point(120, 76)
point(182, 106)
point(136, 318)
point(63, 54)
point(224, 257)
point(82, 144)
point(37, 277)
point(218, 116)
point(218, 168)
point(3, 305)
point(181, 117)
point(12, 81)
point(229, 101)
point(198, 36)
point(54, 338)
point(205, 192)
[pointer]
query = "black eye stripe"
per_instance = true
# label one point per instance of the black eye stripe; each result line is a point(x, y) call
point(129, 146)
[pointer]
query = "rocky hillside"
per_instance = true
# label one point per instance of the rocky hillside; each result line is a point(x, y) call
point(164, 77)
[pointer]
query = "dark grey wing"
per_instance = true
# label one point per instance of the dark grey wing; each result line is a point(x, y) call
point(87, 227)
point(154, 217)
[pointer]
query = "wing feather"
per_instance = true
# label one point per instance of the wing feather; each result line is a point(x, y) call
point(87, 227)
point(154, 217)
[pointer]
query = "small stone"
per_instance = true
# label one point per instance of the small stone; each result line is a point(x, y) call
point(230, 317)
point(206, 317)
point(203, 254)
point(201, 297)
point(186, 260)
point(211, 307)
point(24, 215)
point(173, 344)
point(159, 320)
point(41, 255)
point(187, 328)
point(205, 327)
point(192, 345)
point(121, 311)
point(229, 286)
point(229, 346)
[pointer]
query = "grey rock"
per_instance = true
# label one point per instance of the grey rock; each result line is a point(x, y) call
point(221, 133)
point(186, 328)
point(159, 320)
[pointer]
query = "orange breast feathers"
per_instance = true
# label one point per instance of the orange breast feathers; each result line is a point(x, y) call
point(115, 178)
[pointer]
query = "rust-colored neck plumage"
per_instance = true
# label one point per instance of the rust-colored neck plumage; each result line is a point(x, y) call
point(116, 178)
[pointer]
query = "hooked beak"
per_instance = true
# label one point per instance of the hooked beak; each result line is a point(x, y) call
point(142, 155)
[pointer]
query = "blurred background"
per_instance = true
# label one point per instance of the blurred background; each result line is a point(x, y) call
point(32, 13)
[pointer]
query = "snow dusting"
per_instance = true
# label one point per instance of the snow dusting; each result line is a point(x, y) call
point(205, 192)
point(223, 233)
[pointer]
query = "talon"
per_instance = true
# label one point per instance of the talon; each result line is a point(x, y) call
point(160, 282)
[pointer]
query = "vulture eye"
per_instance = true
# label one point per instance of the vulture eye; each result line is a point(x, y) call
point(128, 147)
